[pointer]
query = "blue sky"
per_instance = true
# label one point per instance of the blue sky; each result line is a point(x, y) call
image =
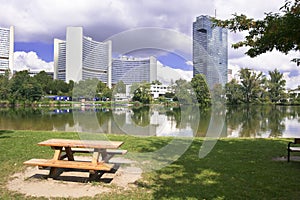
point(38, 22)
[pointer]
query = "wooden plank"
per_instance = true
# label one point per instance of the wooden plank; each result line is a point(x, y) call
point(99, 144)
point(69, 164)
point(295, 149)
point(108, 151)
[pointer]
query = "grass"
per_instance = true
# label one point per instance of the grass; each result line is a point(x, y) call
point(234, 169)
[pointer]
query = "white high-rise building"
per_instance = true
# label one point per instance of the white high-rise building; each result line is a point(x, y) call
point(81, 58)
point(6, 49)
point(134, 70)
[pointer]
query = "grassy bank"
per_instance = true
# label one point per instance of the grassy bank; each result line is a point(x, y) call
point(234, 169)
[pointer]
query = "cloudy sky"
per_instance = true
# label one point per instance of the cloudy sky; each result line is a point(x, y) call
point(38, 22)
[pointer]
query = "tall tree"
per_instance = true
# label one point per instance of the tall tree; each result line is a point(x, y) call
point(234, 93)
point(251, 83)
point(200, 88)
point(275, 86)
point(182, 92)
point(280, 31)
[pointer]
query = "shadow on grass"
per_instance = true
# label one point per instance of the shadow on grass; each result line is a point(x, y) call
point(234, 169)
point(3, 132)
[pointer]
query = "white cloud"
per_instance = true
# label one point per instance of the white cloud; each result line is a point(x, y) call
point(41, 21)
point(166, 74)
point(31, 62)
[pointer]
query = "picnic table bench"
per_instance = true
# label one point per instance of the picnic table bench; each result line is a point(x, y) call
point(293, 148)
point(64, 148)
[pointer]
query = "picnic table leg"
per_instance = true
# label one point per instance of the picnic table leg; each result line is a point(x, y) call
point(69, 153)
point(54, 172)
point(93, 173)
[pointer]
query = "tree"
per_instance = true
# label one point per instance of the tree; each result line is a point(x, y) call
point(23, 87)
point(44, 80)
point(233, 92)
point(142, 94)
point(276, 86)
point(251, 83)
point(280, 31)
point(218, 94)
point(182, 90)
point(4, 86)
point(156, 82)
point(201, 90)
point(103, 91)
point(120, 87)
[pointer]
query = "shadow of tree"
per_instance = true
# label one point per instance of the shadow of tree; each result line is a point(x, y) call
point(234, 169)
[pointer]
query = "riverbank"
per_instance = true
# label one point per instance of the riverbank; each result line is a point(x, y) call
point(234, 169)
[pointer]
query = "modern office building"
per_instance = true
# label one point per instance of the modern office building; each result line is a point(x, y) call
point(6, 49)
point(134, 70)
point(210, 51)
point(81, 58)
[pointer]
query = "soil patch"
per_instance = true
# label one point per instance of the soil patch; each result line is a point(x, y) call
point(35, 182)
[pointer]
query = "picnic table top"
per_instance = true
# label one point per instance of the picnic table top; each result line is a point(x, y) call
point(97, 144)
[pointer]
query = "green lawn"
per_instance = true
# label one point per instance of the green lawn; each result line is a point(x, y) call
point(234, 169)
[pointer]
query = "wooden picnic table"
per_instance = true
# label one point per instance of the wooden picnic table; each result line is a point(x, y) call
point(65, 148)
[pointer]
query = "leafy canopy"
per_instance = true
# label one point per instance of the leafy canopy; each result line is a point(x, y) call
point(280, 31)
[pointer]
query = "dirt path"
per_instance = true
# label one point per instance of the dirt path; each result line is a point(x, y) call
point(34, 182)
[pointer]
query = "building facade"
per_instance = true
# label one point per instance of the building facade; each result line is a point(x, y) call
point(6, 49)
point(210, 51)
point(81, 58)
point(134, 70)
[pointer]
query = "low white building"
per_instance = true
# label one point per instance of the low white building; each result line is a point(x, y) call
point(160, 90)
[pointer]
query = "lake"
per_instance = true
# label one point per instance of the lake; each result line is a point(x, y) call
point(185, 121)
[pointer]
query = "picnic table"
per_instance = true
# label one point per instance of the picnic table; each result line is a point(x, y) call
point(64, 150)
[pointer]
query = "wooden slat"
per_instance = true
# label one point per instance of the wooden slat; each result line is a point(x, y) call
point(99, 144)
point(108, 151)
point(69, 164)
point(295, 149)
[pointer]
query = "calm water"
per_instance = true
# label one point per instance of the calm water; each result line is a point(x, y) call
point(254, 121)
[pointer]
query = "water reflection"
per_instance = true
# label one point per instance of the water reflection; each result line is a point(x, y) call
point(251, 121)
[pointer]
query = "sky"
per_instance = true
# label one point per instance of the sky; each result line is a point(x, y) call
point(38, 22)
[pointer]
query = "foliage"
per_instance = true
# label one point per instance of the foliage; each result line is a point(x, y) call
point(200, 88)
point(120, 87)
point(276, 86)
point(156, 82)
point(280, 31)
point(233, 92)
point(218, 94)
point(23, 87)
point(104, 92)
point(85, 89)
point(142, 94)
point(251, 83)
point(182, 90)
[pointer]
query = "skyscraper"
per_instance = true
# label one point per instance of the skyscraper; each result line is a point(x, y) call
point(6, 49)
point(210, 53)
point(134, 70)
point(80, 58)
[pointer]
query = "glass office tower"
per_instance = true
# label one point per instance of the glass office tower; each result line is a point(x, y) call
point(210, 51)
point(6, 49)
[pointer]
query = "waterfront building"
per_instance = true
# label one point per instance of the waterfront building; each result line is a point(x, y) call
point(160, 90)
point(134, 70)
point(81, 58)
point(210, 51)
point(6, 49)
